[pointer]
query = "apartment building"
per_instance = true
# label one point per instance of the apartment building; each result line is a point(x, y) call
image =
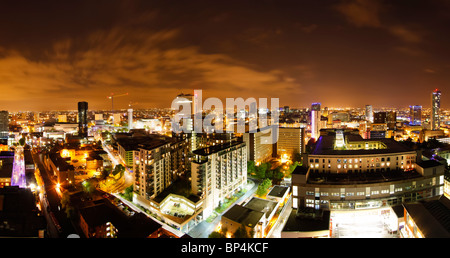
point(218, 172)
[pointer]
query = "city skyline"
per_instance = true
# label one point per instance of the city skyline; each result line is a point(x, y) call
point(339, 53)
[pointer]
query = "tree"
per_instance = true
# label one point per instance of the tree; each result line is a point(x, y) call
point(119, 168)
point(251, 167)
point(216, 234)
point(263, 187)
point(241, 232)
point(65, 203)
point(291, 168)
point(261, 170)
point(128, 193)
point(88, 187)
point(278, 175)
point(65, 199)
point(297, 157)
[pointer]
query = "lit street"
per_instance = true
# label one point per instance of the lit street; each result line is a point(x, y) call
point(58, 223)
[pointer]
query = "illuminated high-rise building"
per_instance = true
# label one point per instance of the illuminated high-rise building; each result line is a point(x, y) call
point(82, 118)
point(369, 113)
point(435, 108)
point(315, 120)
point(415, 115)
point(130, 119)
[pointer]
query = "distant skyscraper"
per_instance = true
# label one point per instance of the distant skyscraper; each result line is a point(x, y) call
point(415, 115)
point(185, 98)
point(315, 120)
point(4, 124)
point(369, 113)
point(130, 118)
point(82, 118)
point(435, 108)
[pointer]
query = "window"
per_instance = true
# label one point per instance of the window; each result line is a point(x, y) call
point(295, 190)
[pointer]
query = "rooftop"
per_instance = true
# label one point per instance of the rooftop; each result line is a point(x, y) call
point(147, 142)
point(216, 148)
point(243, 215)
point(361, 177)
point(308, 220)
point(136, 226)
point(18, 213)
point(60, 162)
point(429, 163)
point(278, 191)
point(325, 145)
point(261, 205)
point(432, 217)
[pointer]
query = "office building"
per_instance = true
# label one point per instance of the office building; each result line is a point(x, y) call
point(315, 120)
point(217, 172)
point(259, 145)
point(82, 119)
point(345, 171)
point(391, 120)
point(379, 117)
point(4, 124)
point(435, 109)
point(415, 115)
point(291, 141)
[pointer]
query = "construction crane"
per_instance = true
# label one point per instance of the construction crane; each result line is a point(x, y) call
point(112, 96)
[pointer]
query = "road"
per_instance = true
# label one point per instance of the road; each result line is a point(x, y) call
point(58, 225)
point(128, 175)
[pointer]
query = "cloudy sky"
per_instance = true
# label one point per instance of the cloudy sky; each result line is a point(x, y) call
point(340, 53)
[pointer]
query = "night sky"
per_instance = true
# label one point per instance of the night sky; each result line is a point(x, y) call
point(340, 53)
